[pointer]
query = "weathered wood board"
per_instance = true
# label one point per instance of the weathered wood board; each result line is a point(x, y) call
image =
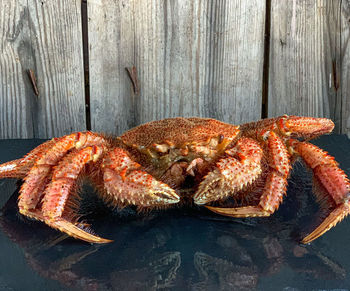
point(44, 36)
point(194, 58)
point(344, 69)
point(310, 60)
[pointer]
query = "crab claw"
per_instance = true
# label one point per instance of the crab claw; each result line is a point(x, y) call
point(124, 180)
point(308, 127)
point(239, 168)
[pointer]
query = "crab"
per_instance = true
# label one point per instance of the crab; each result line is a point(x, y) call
point(178, 161)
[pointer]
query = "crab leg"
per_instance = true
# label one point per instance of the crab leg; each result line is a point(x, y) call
point(332, 180)
point(240, 168)
point(125, 181)
point(56, 211)
point(294, 126)
point(307, 127)
point(20, 167)
point(38, 176)
point(275, 187)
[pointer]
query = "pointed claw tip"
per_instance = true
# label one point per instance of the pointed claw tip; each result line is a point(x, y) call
point(199, 201)
point(306, 240)
point(76, 232)
point(173, 201)
point(104, 241)
point(166, 197)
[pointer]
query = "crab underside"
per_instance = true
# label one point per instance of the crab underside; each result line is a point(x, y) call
point(180, 161)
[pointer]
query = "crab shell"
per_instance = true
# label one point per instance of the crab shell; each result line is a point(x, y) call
point(179, 151)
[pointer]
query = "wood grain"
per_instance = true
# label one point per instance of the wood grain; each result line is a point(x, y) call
point(44, 36)
point(344, 70)
point(193, 58)
point(309, 61)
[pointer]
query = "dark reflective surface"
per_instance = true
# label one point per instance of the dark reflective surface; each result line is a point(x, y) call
point(180, 249)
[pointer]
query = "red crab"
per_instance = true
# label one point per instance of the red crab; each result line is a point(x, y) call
point(162, 163)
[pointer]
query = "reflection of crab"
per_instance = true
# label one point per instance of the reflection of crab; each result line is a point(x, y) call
point(162, 162)
point(222, 256)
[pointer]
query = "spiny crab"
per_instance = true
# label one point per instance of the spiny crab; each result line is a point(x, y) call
point(180, 160)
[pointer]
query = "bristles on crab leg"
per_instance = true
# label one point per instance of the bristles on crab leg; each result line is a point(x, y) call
point(331, 178)
point(60, 188)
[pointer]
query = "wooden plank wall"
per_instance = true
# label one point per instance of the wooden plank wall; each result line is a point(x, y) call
point(310, 60)
point(46, 37)
point(193, 58)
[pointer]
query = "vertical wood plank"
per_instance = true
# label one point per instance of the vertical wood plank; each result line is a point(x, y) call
point(44, 36)
point(111, 50)
point(345, 66)
point(15, 116)
point(194, 58)
point(307, 60)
